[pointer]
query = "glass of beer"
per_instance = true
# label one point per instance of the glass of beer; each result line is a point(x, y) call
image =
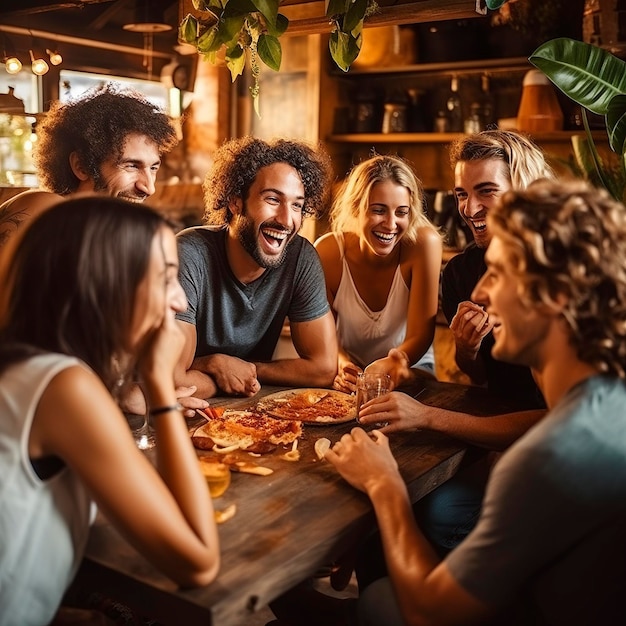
point(217, 476)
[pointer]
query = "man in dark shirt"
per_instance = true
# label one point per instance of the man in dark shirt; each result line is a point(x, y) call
point(248, 269)
point(486, 165)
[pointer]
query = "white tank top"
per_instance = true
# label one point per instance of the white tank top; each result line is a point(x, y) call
point(368, 335)
point(43, 523)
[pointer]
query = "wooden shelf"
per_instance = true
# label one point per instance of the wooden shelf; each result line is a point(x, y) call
point(433, 138)
point(476, 66)
point(308, 18)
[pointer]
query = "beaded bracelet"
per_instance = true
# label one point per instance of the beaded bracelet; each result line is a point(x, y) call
point(166, 409)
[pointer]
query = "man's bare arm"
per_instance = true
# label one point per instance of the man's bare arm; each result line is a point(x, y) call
point(402, 412)
point(316, 365)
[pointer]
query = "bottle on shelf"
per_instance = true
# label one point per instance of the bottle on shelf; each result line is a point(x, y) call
point(473, 122)
point(487, 106)
point(453, 106)
point(395, 114)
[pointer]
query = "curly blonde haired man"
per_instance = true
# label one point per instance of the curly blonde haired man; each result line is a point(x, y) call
point(555, 507)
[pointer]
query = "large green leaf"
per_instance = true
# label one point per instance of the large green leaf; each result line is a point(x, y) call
point(235, 61)
point(238, 7)
point(344, 48)
point(188, 29)
point(354, 16)
point(270, 51)
point(210, 40)
point(269, 10)
point(280, 27)
point(336, 7)
point(616, 124)
point(589, 75)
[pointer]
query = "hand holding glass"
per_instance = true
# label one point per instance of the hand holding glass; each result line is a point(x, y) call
point(371, 385)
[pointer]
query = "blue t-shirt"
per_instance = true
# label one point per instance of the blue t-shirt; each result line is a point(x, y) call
point(241, 320)
point(551, 539)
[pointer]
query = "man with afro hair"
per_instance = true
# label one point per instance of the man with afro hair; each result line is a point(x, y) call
point(248, 269)
point(110, 140)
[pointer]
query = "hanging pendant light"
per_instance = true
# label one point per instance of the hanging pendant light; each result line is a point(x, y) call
point(12, 64)
point(38, 64)
point(55, 57)
point(148, 20)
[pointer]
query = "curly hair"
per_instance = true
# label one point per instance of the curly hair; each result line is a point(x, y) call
point(95, 126)
point(87, 256)
point(526, 162)
point(569, 239)
point(238, 161)
point(353, 198)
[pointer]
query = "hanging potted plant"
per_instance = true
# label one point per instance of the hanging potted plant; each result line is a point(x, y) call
point(249, 30)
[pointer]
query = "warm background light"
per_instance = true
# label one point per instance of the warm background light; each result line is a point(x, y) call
point(39, 66)
point(12, 65)
point(55, 57)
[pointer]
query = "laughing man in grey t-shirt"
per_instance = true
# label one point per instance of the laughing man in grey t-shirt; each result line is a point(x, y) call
point(248, 270)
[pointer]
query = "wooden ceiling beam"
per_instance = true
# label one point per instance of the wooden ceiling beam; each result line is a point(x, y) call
point(309, 18)
point(28, 7)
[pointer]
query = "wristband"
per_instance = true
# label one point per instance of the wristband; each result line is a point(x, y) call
point(166, 409)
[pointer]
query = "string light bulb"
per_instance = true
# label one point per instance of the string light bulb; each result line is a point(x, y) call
point(55, 57)
point(12, 65)
point(38, 65)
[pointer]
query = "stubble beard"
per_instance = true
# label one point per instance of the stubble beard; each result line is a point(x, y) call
point(247, 235)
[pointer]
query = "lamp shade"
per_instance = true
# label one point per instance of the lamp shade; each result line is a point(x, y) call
point(38, 64)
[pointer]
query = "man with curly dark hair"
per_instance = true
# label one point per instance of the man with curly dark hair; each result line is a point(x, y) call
point(109, 140)
point(549, 545)
point(248, 269)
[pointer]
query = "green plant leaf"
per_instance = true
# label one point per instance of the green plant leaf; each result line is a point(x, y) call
point(269, 10)
point(495, 4)
point(337, 7)
point(200, 5)
point(354, 16)
point(209, 41)
point(588, 74)
point(270, 51)
point(616, 124)
point(280, 27)
point(235, 61)
point(188, 29)
point(230, 28)
point(344, 48)
point(238, 7)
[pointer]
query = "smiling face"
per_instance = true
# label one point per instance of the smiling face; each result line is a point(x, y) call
point(478, 185)
point(521, 329)
point(159, 293)
point(385, 218)
point(271, 215)
point(132, 175)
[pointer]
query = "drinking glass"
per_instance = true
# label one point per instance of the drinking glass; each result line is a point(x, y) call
point(371, 385)
point(143, 433)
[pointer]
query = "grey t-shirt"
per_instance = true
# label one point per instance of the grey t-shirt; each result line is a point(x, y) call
point(240, 320)
point(551, 540)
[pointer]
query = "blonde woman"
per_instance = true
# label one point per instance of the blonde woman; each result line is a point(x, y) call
point(381, 261)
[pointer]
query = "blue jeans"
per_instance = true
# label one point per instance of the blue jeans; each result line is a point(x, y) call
point(449, 513)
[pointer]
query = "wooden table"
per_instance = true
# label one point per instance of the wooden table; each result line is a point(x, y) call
point(287, 525)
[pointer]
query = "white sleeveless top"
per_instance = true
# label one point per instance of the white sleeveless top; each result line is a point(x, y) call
point(368, 335)
point(43, 523)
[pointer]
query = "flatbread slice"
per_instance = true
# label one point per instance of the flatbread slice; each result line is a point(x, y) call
point(311, 406)
point(247, 428)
